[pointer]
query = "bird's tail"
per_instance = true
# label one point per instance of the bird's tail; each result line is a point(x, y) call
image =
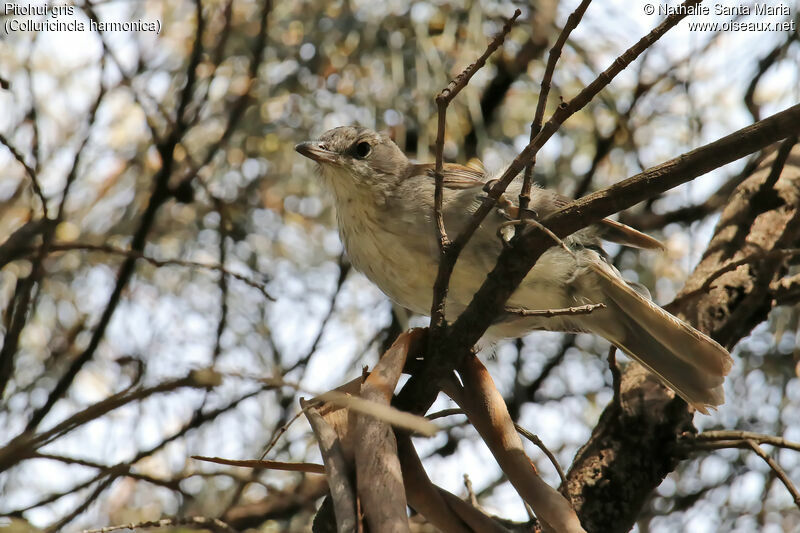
point(686, 360)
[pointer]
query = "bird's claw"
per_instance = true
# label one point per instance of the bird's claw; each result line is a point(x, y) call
point(505, 235)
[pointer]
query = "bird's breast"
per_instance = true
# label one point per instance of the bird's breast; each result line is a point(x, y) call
point(398, 262)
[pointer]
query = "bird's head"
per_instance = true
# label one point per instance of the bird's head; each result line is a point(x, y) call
point(352, 156)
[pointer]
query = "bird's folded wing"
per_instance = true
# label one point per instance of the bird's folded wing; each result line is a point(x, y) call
point(459, 177)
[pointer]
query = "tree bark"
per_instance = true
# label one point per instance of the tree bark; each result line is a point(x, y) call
point(635, 444)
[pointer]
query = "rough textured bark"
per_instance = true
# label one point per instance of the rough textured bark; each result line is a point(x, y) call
point(759, 218)
point(633, 447)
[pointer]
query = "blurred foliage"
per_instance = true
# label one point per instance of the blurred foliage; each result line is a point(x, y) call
point(240, 196)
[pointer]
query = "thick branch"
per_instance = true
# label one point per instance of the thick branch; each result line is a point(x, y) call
point(633, 448)
point(515, 261)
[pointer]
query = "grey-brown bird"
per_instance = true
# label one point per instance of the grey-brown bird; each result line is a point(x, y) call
point(384, 205)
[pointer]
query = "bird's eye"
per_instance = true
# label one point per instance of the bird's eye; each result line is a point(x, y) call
point(362, 149)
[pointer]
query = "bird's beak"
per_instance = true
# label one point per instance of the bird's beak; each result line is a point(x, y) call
point(314, 151)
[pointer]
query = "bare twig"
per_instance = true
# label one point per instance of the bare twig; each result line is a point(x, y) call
point(171, 484)
point(309, 468)
point(202, 522)
point(25, 444)
point(710, 439)
point(161, 192)
point(223, 280)
point(123, 469)
point(763, 66)
point(135, 254)
point(85, 503)
point(539, 444)
point(778, 164)
point(279, 434)
point(28, 170)
point(778, 471)
point(344, 270)
point(577, 310)
point(448, 256)
point(561, 114)
point(239, 106)
point(536, 126)
point(551, 364)
point(25, 288)
point(521, 430)
point(444, 413)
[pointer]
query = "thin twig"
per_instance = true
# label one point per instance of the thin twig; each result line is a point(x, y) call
point(539, 444)
point(76, 512)
point(778, 164)
point(171, 484)
point(28, 170)
point(536, 126)
point(715, 440)
point(778, 471)
point(124, 468)
point(25, 444)
point(223, 280)
point(551, 364)
point(21, 307)
point(443, 99)
point(159, 195)
point(212, 524)
point(764, 65)
point(561, 114)
point(578, 310)
point(309, 468)
point(136, 254)
point(444, 413)
point(711, 437)
point(280, 433)
point(344, 270)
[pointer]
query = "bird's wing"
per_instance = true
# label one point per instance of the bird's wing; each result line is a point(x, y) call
point(455, 176)
point(459, 177)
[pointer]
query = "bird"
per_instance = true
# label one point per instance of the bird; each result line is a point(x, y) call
point(384, 209)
